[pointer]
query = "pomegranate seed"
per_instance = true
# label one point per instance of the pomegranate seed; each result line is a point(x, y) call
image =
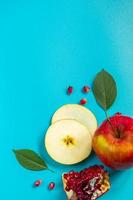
point(83, 101)
point(86, 89)
point(69, 90)
point(118, 113)
point(51, 186)
point(37, 183)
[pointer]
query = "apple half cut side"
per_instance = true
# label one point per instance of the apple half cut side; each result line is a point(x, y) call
point(68, 142)
point(79, 113)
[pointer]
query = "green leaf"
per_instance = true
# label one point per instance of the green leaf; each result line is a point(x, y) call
point(104, 89)
point(30, 160)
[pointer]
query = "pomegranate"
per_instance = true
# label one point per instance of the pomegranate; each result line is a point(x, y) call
point(87, 184)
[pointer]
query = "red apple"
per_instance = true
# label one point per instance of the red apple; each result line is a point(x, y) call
point(113, 142)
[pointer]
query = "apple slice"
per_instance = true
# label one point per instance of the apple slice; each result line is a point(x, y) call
point(68, 142)
point(76, 112)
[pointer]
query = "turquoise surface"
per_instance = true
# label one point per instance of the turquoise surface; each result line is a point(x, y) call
point(44, 47)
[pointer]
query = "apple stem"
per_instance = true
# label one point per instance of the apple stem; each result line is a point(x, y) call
point(108, 119)
point(107, 115)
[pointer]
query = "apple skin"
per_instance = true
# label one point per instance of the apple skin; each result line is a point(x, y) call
point(114, 146)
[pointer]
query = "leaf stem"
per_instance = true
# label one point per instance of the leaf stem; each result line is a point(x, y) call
point(106, 113)
point(108, 119)
point(51, 170)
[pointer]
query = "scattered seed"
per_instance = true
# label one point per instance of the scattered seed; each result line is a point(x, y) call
point(51, 186)
point(83, 101)
point(70, 90)
point(86, 89)
point(37, 183)
point(118, 113)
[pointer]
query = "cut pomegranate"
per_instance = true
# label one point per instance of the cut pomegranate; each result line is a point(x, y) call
point(88, 184)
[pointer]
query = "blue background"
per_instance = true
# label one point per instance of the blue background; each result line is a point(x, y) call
point(46, 46)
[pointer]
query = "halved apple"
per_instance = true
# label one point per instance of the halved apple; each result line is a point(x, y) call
point(76, 112)
point(68, 141)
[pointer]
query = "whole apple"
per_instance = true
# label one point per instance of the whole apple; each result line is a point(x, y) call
point(113, 142)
